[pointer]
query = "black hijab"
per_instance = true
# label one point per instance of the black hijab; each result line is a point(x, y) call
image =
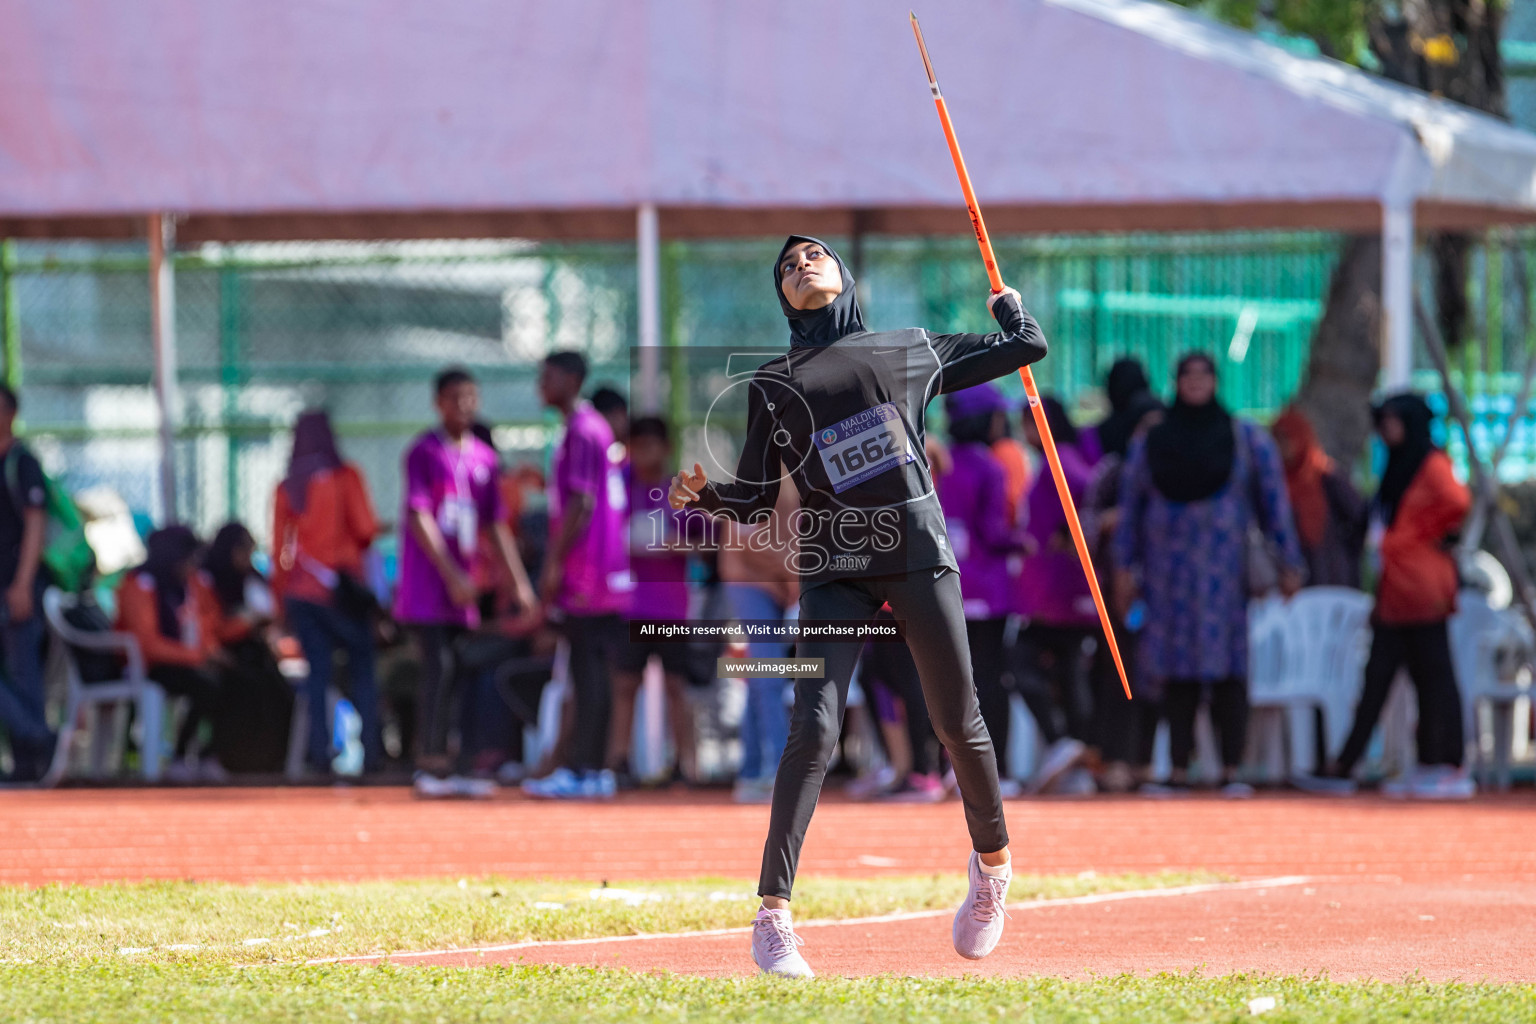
point(819, 326)
point(1115, 433)
point(166, 551)
point(1063, 430)
point(1190, 453)
point(1403, 460)
point(1130, 398)
point(314, 451)
point(219, 561)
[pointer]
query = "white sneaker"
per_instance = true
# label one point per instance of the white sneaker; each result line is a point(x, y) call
point(429, 787)
point(979, 921)
point(603, 785)
point(1075, 782)
point(1325, 785)
point(182, 773)
point(564, 784)
point(470, 788)
point(918, 789)
point(210, 770)
point(1063, 754)
point(1400, 787)
point(775, 945)
point(867, 787)
point(511, 773)
point(1444, 785)
point(1237, 791)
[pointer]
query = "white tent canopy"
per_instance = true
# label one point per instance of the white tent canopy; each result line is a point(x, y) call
point(642, 118)
point(348, 118)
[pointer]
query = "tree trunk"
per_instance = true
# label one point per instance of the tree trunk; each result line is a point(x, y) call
point(1408, 40)
point(1346, 353)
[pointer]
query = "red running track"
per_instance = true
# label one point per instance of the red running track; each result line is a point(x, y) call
point(288, 834)
point(1348, 931)
point(1446, 891)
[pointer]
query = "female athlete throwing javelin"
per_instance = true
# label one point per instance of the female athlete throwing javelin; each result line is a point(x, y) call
point(842, 412)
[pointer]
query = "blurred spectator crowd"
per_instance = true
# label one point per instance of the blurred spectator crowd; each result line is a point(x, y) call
point(502, 620)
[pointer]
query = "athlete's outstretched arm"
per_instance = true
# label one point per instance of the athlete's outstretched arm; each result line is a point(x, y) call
point(756, 488)
point(971, 359)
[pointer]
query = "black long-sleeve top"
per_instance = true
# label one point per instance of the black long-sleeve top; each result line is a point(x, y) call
point(846, 420)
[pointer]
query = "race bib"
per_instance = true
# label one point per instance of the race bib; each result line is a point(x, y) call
point(618, 494)
point(460, 519)
point(864, 445)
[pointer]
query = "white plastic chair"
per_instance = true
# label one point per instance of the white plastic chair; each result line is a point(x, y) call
point(1488, 647)
point(134, 686)
point(1323, 641)
point(1266, 729)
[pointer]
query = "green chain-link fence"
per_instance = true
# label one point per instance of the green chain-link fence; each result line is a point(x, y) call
point(264, 330)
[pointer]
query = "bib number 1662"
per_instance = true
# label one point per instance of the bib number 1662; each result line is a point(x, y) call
point(863, 446)
point(871, 450)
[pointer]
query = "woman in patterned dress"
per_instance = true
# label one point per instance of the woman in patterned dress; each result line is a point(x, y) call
point(1190, 494)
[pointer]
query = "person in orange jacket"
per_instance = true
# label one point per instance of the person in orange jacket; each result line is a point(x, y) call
point(1416, 513)
point(167, 606)
point(322, 525)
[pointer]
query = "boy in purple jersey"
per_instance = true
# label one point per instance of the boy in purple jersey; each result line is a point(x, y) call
point(658, 552)
point(452, 505)
point(585, 582)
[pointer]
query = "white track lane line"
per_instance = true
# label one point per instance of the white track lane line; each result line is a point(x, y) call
point(911, 915)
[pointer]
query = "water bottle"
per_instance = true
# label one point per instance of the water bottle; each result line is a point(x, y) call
point(347, 740)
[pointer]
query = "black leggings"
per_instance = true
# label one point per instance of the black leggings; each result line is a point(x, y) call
point(1124, 730)
point(890, 665)
point(439, 686)
point(988, 662)
point(201, 687)
point(930, 611)
point(1229, 715)
point(1048, 667)
point(594, 645)
point(1426, 651)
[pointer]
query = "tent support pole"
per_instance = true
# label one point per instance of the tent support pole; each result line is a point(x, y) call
point(648, 262)
point(1397, 294)
point(10, 315)
point(162, 304)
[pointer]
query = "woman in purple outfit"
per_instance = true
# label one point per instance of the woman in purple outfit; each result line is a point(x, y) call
point(1049, 660)
point(973, 496)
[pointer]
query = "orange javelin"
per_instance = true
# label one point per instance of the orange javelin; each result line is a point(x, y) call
point(1046, 440)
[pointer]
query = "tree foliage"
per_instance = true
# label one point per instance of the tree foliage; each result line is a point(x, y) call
point(1337, 27)
point(1447, 48)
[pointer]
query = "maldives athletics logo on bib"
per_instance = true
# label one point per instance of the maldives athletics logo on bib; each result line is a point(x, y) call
point(828, 436)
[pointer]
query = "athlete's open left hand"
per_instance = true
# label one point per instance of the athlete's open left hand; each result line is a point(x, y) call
point(686, 486)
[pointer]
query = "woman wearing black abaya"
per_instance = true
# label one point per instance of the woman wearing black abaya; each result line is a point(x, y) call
point(255, 701)
point(1189, 494)
point(842, 414)
point(1125, 729)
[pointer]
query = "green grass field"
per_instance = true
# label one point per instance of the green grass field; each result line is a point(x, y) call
point(216, 923)
point(213, 952)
